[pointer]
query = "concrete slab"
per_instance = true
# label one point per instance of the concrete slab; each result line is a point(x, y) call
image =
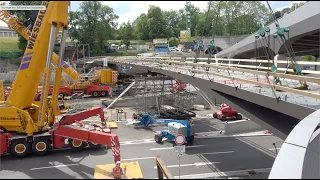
point(132, 171)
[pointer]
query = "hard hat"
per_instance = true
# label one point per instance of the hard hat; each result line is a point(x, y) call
point(118, 162)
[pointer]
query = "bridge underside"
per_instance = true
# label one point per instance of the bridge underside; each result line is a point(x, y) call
point(306, 44)
point(259, 108)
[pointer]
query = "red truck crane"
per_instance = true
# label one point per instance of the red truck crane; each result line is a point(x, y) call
point(33, 127)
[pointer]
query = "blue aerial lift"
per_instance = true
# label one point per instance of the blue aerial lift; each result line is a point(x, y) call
point(175, 127)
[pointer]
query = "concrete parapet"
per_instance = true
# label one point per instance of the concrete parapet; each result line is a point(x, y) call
point(241, 126)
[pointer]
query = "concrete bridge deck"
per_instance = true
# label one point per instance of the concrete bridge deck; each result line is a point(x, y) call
point(304, 28)
point(257, 103)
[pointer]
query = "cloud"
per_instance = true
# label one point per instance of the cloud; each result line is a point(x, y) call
point(139, 7)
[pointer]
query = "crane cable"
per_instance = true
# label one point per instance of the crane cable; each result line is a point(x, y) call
point(289, 49)
point(297, 70)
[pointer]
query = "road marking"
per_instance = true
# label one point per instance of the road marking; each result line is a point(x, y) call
point(273, 149)
point(194, 164)
point(62, 165)
point(143, 141)
point(226, 152)
point(138, 158)
point(154, 149)
point(219, 174)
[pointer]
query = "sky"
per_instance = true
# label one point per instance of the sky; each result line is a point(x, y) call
point(130, 10)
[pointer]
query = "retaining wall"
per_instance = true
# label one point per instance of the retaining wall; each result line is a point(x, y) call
point(241, 126)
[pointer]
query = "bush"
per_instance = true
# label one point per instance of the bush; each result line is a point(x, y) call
point(308, 58)
point(142, 50)
point(173, 42)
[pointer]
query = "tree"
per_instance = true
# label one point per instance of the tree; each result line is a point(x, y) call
point(140, 26)
point(126, 33)
point(173, 42)
point(93, 25)
point(194, 13)
point(25, 17)
point(172, 19)
point(156, 23)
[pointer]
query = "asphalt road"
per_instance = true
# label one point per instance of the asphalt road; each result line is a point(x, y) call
point(224, 154)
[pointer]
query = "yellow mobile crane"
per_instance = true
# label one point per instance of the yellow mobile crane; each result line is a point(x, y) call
point(27, 127)
point(96, 86)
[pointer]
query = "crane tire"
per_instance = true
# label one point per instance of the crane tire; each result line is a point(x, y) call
point(94, 146)
point(76, 144)
point(191, 139)
point(41, 146)
point(103, 93)
point(20, 148)
point(215, 115)
point(239, 117)
point(95, 94)
point(157, 138)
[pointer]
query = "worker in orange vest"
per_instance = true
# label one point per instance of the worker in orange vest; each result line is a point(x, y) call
point(117, 171)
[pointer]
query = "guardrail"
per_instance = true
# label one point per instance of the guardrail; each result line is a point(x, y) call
point(230, 62)
point(206, 70)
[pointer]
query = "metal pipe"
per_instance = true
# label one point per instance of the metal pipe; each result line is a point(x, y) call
point(57, 80)
point(47, 75)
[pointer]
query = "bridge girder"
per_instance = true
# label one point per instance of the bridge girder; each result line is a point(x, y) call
point(278, 117)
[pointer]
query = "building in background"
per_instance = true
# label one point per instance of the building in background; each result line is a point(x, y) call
point(7, 32)
point(185, 36)
point(160, 45)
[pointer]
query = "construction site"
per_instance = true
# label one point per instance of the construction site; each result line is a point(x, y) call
point(150, 116)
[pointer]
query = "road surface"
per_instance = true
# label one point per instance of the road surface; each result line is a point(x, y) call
point(205, 155)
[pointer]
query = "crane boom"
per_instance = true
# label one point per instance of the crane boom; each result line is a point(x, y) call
point(14, 24)
point(20, 115)
point(32, 65)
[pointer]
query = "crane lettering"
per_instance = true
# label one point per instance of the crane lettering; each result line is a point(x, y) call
point(37, 26)
point(8, 118)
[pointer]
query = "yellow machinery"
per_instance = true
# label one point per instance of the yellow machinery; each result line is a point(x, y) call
point(1, 91)
point(79, 81)
point(19, 114)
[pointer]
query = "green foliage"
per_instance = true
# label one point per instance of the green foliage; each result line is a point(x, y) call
point(96, 24)
point(143, 50)
point(279, 14)
point(173, 42)
point(93, 25)
point(308, 58)
point(126, 33)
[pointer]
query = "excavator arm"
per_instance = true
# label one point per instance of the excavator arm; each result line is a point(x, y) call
point(14, 24)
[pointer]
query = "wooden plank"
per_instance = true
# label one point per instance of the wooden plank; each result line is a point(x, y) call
point(287, 89)
point(282, 88)
point(163, 168)
point(287, 76)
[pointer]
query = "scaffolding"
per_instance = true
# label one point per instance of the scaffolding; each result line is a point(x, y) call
point(154, 96)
